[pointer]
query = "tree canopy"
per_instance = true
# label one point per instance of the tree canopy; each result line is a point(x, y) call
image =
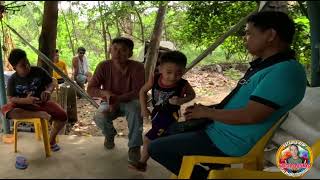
point(190, 25)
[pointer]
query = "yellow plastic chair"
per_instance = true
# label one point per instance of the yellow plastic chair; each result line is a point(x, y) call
point(236, 173)
point(41, 125)
point(252, 160)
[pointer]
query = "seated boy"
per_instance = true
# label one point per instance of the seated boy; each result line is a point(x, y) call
point(28, 91)
point(169, 91)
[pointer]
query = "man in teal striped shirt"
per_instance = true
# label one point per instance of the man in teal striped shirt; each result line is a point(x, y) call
point(272, 86)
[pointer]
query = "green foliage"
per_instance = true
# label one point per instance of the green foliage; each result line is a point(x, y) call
point(191, 25)
point(233, 74)
point(207, 20)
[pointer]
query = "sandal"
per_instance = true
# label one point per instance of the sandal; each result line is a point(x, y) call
point(139, 166)
point(55, 147)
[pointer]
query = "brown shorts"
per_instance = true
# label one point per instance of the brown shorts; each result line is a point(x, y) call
point(52, 108)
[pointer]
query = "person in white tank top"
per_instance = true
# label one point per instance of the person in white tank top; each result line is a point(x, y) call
point(80, 68)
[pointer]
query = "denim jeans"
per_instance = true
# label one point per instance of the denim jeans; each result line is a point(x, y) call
point(169, 150)
point(131, 110)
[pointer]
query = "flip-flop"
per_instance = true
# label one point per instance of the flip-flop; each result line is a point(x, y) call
point(142, 167)
point(21, 162)
point(55, 147)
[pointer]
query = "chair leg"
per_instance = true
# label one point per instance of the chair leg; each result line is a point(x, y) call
point(15, 133)
point(173, 176)
point(44, 127)
point(37, 130)
point(250, 166)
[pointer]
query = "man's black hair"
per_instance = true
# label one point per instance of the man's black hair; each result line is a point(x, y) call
point(81, 49)
point(15, 56)
point(122, 40)
point(279, 21)
point(175, 57)
point(296, 147)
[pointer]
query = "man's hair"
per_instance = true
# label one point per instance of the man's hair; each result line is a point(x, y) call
point(122, 40)
point(279, 21)
point(57, 50)
point(296, 147)
point(81, 49)
point(175, 57)
point(16, 55)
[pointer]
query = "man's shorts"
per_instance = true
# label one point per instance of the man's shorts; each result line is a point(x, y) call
point(52, 108)
point(161, 121)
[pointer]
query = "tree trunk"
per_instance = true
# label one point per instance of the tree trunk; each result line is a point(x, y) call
point(110, 39)
point(126, 22)
point(152, 52)
point(74, 30)
point(314, 14)
point(104, 33)
point(141, 25)
point(7, 46)
point(48, 36)
point(118, 28)
point(69, 34)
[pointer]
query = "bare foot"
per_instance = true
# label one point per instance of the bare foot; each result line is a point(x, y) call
point(44, 115)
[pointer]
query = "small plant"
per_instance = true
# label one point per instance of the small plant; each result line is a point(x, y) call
point(233, 74)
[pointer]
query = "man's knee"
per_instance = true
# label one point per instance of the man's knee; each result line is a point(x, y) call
point(101, 117)
point(133, 106)
point(61, 116)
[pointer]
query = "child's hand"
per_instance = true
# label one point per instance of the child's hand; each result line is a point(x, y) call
point(45, 96)
point(31, 100)
point(145, 113)
point(150, 80)
point(175, 100)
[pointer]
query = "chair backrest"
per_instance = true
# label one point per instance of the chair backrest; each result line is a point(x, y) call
point(259, 147)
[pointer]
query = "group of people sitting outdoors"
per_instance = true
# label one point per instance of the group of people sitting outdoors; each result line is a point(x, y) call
point(273, 85)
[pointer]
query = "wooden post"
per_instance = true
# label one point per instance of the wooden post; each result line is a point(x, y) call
point(152, 52)
point(314, 14)
point(48, 36)
point(67, 98)
point(72, 106)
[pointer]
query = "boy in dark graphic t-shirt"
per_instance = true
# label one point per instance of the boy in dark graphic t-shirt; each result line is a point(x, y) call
point(169, 91)
point(29, 90)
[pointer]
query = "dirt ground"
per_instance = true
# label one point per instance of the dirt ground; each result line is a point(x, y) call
point(210, 87)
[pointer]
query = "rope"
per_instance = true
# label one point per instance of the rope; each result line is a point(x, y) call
point(51, 65)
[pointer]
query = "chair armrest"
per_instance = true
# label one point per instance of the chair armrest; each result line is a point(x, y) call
point(246, 174)
point(316, 149)
point(189, 162)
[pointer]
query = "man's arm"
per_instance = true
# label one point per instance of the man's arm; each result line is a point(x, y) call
point(253, 113)
point(50, 87)
point(75, 67)
point(283, 85)
point(143, 96)
point(12, 98)
point(65, 69)
point(27, 100)
point(188, 94)
point(138, 82)
point(94, 85)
